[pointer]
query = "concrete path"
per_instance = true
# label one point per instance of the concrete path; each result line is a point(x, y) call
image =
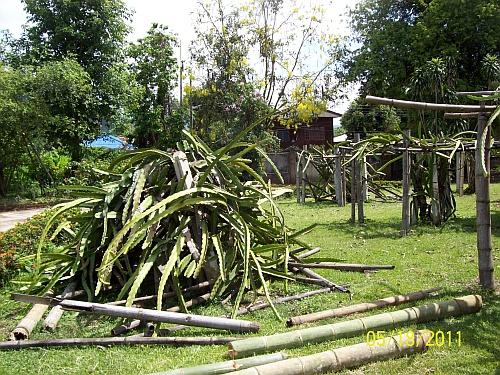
point(9, 218)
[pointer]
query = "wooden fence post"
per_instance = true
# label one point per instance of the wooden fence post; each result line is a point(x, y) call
point(298, 157)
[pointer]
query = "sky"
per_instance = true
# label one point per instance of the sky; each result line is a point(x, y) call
point(177, 15)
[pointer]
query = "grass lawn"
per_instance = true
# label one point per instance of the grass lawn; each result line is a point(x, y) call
point(427, 258)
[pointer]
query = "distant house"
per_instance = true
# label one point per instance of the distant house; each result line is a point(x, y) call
point(110, 141)
point(318, 132)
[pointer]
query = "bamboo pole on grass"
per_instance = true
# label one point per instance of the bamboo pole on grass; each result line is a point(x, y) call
point(146, 314)
point(55, 314)
point(227, 366)
point(338, 178)
point(432, 311)
point(127, 340)
point(483, 214)
point(346, 357)
point(260, 306)
point(27, 324)
point(342, 266)
point(361, 307)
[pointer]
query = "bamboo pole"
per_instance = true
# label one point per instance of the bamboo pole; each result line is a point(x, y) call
point(483, 214)
point(227, 366)
point(303, 176)
point(55, 314)
point(298, 157)
point(353, 191)
point(405, 222)
point(437, 217)
point(342, 266)
point(457, 116)
point(260, 306)
point(136, 323)
point(359, 165)
point(28, 323)
point(154, 297)
point(148, 315)
point(293, 339)
point(128, 340)
point(324, 281)
point(361, 307)
point(309, 253)
point(339, 190)
point(346, 357)
point(429, 106)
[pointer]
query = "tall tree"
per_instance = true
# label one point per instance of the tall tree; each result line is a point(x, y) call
point(154, 69)
point(269, 44)
point(394, 38)
point(92, 32)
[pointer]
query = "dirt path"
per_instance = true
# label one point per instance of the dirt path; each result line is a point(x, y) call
point(9, 218)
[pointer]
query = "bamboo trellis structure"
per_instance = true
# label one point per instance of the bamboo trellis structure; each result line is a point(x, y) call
point(483, 214)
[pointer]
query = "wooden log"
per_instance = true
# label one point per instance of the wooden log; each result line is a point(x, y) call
point(457, 116)
point(483, 214)
point(128, 340)
point(342, 266)
point(148, 315)
point(28, 323)
point(55, 314)
point(346, 357)
point(429, 106)
point(294, 339)
point(361, 307)
point(227, 366)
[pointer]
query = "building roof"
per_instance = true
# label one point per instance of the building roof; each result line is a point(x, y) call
point(330, 114)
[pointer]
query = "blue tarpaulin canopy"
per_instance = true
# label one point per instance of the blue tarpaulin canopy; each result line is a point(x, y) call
point(109, 141)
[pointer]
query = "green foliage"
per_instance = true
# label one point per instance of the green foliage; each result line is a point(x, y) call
point(154, 69)
point(397, 37)
point(361, 117)
point(18, 245)
point(91, 32)
point(267, 44)
point(151, 214)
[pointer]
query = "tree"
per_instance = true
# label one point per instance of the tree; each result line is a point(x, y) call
point(90, 32)
point(154, 69)
point(361, 117)
point(397, 37)
point(19, 113)
point(267, 43)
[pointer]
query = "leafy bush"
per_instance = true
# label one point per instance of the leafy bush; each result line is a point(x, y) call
point(17, 244)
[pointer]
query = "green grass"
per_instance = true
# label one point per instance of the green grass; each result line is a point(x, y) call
point(428, 257)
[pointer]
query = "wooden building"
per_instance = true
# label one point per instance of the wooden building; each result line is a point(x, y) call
point(318, 132)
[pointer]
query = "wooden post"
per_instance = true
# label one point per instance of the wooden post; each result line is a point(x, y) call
point(303, 175)
point(344, 177)
point(435, 204)
point(359, 183)
point(298, 157)
point(405, 223)
point(460, 168)
point(353, 191)
point(483, 215)
point(339, 190)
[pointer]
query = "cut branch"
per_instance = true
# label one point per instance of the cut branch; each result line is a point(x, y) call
point(429, 106)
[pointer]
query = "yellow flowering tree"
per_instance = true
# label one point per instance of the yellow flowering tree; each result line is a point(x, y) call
point(282, 48)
